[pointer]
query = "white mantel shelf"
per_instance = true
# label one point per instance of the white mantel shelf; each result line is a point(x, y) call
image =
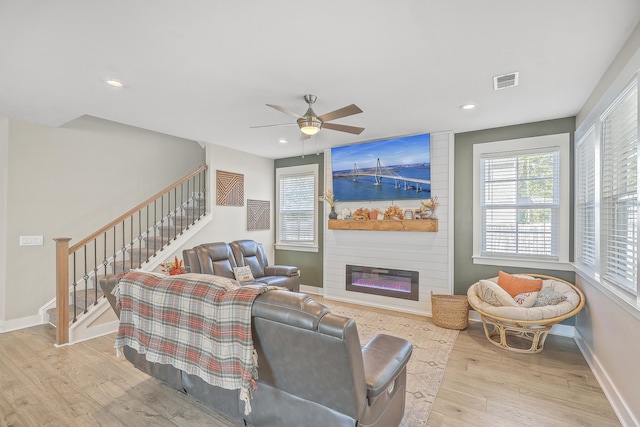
point(424, 225)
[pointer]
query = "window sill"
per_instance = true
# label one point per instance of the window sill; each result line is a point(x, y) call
point(523, 263)
point(297, 248)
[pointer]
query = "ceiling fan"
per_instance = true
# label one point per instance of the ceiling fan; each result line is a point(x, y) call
point(310, 123)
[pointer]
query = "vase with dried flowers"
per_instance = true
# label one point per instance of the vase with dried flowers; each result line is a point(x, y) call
point(430, 207)
point(173, 267)
point(331, 200)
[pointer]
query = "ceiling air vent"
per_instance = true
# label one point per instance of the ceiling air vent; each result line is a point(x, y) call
point(506, 80)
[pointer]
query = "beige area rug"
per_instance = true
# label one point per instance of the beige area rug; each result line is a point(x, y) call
point(432, 346)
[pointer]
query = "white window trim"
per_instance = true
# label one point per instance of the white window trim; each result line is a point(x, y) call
point(560, 141)
point(591, 268)
point(291, 170)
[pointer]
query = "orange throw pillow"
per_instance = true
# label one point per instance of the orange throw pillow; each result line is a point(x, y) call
point(517, 285)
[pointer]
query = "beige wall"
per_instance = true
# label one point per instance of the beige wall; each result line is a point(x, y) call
point(230, 222)
point(4, 171)
point(608, 329)
point(608, 332)
point(68, 182)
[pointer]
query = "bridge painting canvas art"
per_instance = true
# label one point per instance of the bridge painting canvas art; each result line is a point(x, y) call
point(389, 169)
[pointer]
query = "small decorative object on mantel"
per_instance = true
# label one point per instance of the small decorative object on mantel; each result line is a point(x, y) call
point(329, 198)
point(361, 214)
point(393, 212)
point(408, 214)
point(174, 267)
point(427, 209)
point(433, 204)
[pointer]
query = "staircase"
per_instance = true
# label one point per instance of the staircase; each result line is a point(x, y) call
point(144, 237)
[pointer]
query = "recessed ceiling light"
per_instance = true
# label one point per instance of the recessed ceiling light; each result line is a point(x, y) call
point(282, 141)
point(468, 106)
point(114, 83)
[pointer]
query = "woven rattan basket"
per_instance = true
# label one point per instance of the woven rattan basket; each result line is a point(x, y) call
point(450, 311)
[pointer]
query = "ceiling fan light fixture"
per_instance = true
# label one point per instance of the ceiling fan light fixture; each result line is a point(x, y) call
point(309, 125)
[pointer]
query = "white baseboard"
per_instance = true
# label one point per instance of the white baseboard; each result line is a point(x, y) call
point(619, 405)
point(311, 290)
point(23, 322)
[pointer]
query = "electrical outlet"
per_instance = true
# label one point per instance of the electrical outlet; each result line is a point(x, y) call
point(31, 241)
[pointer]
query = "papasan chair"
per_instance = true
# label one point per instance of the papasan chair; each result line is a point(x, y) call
point(509, 322)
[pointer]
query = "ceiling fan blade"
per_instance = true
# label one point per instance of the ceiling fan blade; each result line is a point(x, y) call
point(284, 110)
point(343, 128)
point(349, 110)
point(268, 126)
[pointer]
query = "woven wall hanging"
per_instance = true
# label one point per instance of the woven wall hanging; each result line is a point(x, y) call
point(229, 188)
point(258, 214)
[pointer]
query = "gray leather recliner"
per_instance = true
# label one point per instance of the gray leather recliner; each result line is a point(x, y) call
point(312, 370)
point(220, 258)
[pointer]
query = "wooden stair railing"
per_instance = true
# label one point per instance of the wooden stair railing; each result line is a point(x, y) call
point(126, 242)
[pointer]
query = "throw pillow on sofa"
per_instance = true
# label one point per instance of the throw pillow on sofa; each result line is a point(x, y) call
point(243, 274)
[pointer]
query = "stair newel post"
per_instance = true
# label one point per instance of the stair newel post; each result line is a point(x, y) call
point(62, 289)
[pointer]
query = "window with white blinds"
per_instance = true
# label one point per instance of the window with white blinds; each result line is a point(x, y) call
point(520, 203)
point(585, 189)
point(619, 191)
point(297, 203)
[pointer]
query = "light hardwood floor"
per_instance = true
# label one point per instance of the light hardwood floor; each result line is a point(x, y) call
point(84, 385)
point(485, 385)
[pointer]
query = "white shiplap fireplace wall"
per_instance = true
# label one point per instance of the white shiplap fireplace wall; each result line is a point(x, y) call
point(430, 254)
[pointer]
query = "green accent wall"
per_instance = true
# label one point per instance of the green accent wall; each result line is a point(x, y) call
point(309, 263)
point(466, 272)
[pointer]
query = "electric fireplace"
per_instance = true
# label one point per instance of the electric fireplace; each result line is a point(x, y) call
point(383, 281)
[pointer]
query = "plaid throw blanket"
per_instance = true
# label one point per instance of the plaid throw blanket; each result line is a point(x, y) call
point(200, 324)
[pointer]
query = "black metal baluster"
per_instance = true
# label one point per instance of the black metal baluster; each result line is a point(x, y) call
point(175, 210)
point(95, 270)
point(105, 262)
point(162, 221)
point(75, 284)
point(131, 245)
point(146, 232)
point(190, 202)
point(139, 263)
point(123, 249)
point(115, 245)
point(85, 277)
point(155, 224)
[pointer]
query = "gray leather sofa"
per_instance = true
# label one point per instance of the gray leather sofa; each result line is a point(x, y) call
point(312, 370)
point(220, 258)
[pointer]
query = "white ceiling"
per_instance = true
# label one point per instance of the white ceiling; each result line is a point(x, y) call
point(204, 70)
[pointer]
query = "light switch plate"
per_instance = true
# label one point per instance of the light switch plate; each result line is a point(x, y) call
point(31, 241)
